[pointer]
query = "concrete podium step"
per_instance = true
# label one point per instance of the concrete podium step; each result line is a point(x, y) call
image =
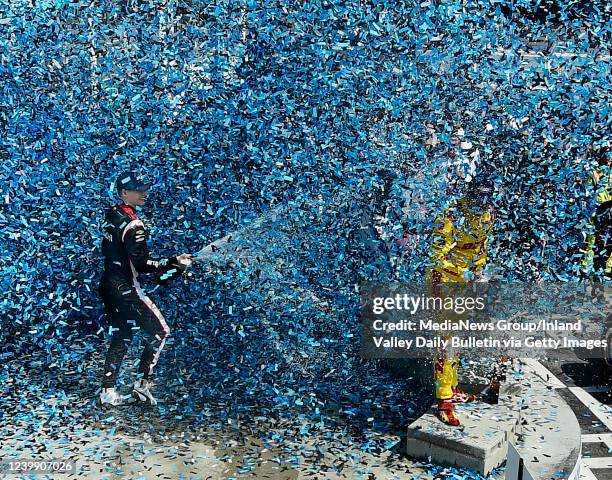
point(532, 429)
point(479, 444)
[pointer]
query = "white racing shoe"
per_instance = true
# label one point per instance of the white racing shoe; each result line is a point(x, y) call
point(142, 392)
point(110, 397)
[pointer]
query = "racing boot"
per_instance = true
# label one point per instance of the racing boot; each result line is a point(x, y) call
point(490, 394)
point(446, 413)
point(459, 396)
point(141, 391)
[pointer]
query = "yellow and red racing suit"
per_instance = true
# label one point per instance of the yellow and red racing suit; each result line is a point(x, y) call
point(458, 253)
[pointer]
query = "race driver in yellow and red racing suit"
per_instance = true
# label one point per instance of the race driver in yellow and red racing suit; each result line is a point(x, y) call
point(458, 255)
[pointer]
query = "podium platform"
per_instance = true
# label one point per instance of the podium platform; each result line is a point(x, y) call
point(479, 444)
point(532, 422)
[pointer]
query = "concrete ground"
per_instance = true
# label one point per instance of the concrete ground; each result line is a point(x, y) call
point(111, 448)
point(48, 412)
point(267, 440)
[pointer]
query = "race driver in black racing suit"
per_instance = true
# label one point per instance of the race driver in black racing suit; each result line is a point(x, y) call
point(127, 307)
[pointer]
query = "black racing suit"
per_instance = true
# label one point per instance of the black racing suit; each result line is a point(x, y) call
point(127, 307)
